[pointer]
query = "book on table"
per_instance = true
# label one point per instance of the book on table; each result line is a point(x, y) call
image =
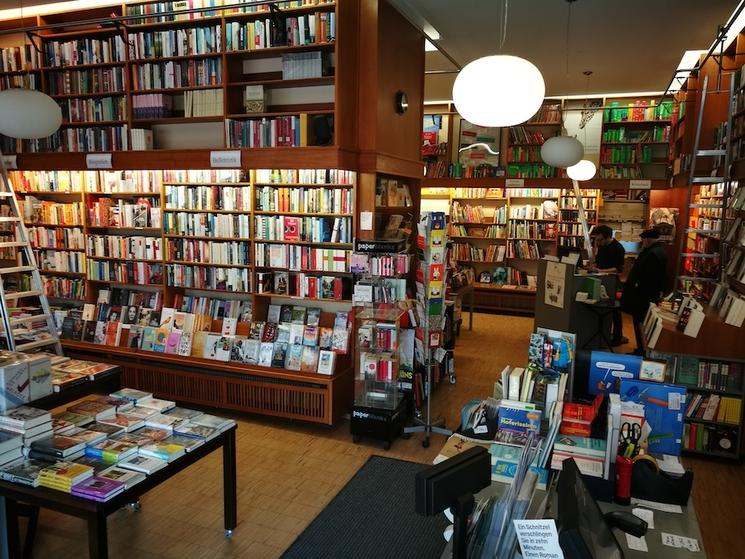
point(189, 443)
point(59, 446)
point(197, 431)
point(129, 478)
point(23, 418)
point(144, 464)
point(163, 450)
point(25, 472)
point(125, 420)
point(98, 488)
point(9, 441)
point(219, 423)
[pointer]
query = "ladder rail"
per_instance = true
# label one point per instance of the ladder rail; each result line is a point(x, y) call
point(36, 281)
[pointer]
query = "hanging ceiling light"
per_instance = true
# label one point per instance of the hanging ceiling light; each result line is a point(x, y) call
point(582, 171)
point(499, 90)
point(562, 151)
point(27, 113)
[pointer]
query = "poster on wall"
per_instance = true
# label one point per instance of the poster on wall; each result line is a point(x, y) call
point(478, 145)
point(555, 284)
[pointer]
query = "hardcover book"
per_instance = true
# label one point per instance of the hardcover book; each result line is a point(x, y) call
point(265, 354)
point(143, 464)
point(129, 478)
point(98, 488)
point(191, 429)
point(294, 357)
point(309, 362)
point(279, 355)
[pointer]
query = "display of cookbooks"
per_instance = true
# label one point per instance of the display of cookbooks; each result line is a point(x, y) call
point(378, 338)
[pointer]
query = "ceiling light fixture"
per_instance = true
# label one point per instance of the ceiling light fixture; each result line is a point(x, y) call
point(26, 113)
point(584, 170)
point(499, 90)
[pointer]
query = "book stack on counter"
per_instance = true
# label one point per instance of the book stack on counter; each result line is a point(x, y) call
point(68, 372)
point(102, 445)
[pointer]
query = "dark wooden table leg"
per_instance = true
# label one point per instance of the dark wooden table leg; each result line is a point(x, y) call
point(11, 521)
point(98, 544)
point(230, 497)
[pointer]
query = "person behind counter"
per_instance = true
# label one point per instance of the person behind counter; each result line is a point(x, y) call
point(609, 258)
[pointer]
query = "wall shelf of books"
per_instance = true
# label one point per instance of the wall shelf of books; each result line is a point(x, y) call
point(525, 141)
point(236, 78)
point(635, 139)
point(500, 234)
point(196, 263)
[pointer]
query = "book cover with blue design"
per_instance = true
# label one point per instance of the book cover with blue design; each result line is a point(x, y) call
point(514, 419)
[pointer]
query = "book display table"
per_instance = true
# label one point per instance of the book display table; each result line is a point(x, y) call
point(96, 513)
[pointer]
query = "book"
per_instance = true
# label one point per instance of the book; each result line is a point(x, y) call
point(132, 395)
point(108, 429)
point(163, 421)
point(310, 336)
point(294, 357)
point(266, 351)
point(309, 362)
point(86, 435)
point(326, 361)
point(325, 337)
point(285, 313)
point(129, 478)
point(152, 433)
point(98, 488)
point(189, 443)
point(273, 314)
point(143, 464)
point(284, 332)
point(157, 404)
point(111, 451)
point(130, 422)
point(297, 333)
point(98, 410)
point(313, 317)
point(9, 441)
point(257, 331)
point(65, 473)
point(24, 417)
point(184, 413)
point(163, 450)
point(214, 421)
point(279, 354)
point(517, 419)
point(581, 446)
point(192, 429)
point(25, 472)
point(77, 419)
point(298, 315)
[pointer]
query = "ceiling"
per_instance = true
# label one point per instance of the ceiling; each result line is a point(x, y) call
point(629, 45)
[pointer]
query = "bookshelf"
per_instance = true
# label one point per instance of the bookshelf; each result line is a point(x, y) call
point(525, 141)
point(188, 239)
point(636, 139)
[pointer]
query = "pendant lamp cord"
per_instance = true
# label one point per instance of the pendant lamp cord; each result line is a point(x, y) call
point(503, 26)
point(569, 21)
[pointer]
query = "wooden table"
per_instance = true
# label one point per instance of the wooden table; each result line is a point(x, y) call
point(96, 513)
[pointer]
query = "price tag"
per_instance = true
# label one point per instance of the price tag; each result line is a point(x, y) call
point(10, 161)
point(229, 159)
point(98, 161)
point(640, 184)
point(514, 183)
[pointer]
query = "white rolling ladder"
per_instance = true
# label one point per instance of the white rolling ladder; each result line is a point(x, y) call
point(26, 264)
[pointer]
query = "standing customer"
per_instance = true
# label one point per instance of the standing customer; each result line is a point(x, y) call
point(646, 282)
point(609, 257)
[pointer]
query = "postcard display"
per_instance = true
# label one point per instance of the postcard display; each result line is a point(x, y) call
point(430, 304)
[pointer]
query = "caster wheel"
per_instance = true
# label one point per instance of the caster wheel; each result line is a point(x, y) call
point(355, 439)
point(387, 445)
point(406, 436)
point(425, 443)
point(228, 533)
point(452, 379)
point(136, 506)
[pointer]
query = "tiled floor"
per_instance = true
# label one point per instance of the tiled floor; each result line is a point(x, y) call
point(288, 472)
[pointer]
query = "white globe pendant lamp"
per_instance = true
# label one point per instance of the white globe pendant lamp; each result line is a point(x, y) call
point(582, 171)
point(28, 114)
point(499, 90)
point(562, 151)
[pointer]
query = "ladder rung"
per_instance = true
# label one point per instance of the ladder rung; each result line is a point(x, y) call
point(25, 319)
point(707, 180)
point(13, 244)
point(710, 152)
point(710, 231)
point(17, 269)
point(7, 218)
point(38, 343)
point(704, 205)
point(697, 255)
point(7, 194)
point(22, 294)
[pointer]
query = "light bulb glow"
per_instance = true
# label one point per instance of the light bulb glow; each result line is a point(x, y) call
point(582, 171)
point(498, 90)
point(562, 151)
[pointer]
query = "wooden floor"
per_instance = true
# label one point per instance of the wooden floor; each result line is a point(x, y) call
point(288, 472)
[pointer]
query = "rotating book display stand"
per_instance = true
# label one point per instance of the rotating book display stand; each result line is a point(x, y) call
point(430, 288)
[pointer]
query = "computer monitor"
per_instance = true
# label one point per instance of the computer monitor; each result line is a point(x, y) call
point(583, 532)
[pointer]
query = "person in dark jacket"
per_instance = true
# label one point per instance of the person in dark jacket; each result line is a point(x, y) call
point(645, 283)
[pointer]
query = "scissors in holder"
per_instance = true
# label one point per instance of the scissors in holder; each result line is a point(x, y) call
point(630, 435)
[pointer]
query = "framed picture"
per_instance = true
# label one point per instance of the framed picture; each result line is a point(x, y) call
point(485, 277)
point(478, 145)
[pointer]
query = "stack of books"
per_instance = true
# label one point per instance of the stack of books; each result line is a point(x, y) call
point(98, 488)
point(589, 454)
point(11, 447)
point(31, 423)
point(63, 475)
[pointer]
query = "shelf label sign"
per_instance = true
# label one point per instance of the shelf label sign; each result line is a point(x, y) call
point(98, 161)
point(514, 183)
point(640, 184)
point(10, 161)
point(231, 159)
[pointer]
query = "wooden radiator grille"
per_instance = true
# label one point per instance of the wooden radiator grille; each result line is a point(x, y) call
point(183, 386)
point(278, 399)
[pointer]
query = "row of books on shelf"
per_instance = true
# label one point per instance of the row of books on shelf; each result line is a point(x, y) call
point(530, 170)
point(531, 230)
point(57, 181)
point(302, 258)
point(523, 249)
point(207, 224)
point(107, 212)
point(170, 10)
point(377, 290)
point(712, 407)
point(15, 59)
point(209, 252)
point(571, 242)
point(78, 139)
point(177, 74)
point(736, 232)
point(460, 213)
point(167, 43)
point(46, 212)
point(729, 304)
point(303, 200)
point(523, 135)
point(390, 192)
point(141, 139)
point(524, 154)
point(208, 197)
point(626, 154)
point(23, 81)
point(332, 288)
point(61, 288)
point(469, 252)
point(305, 29)
point(56, 237)
point(60, 261)
point(620, 172)
point(304, 176)
point(153, 105)
point(100, 109)
point(549, 113)
point(706, 438)
point(639, 110)
point(85, 51)
point(90, 80)
point(103, 445)
point(736, 266)
point(570, 229)
point(308, 229)
point(543, 193)
point(205, 277)
point(657, 134)
point(490, 232)
point(282, 131)
point(386, 265)
point(547, 210)
point(117, 246)
point(142, 273)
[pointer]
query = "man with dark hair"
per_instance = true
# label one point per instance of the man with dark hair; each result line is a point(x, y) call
point(609, 258)
point(646, 282)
